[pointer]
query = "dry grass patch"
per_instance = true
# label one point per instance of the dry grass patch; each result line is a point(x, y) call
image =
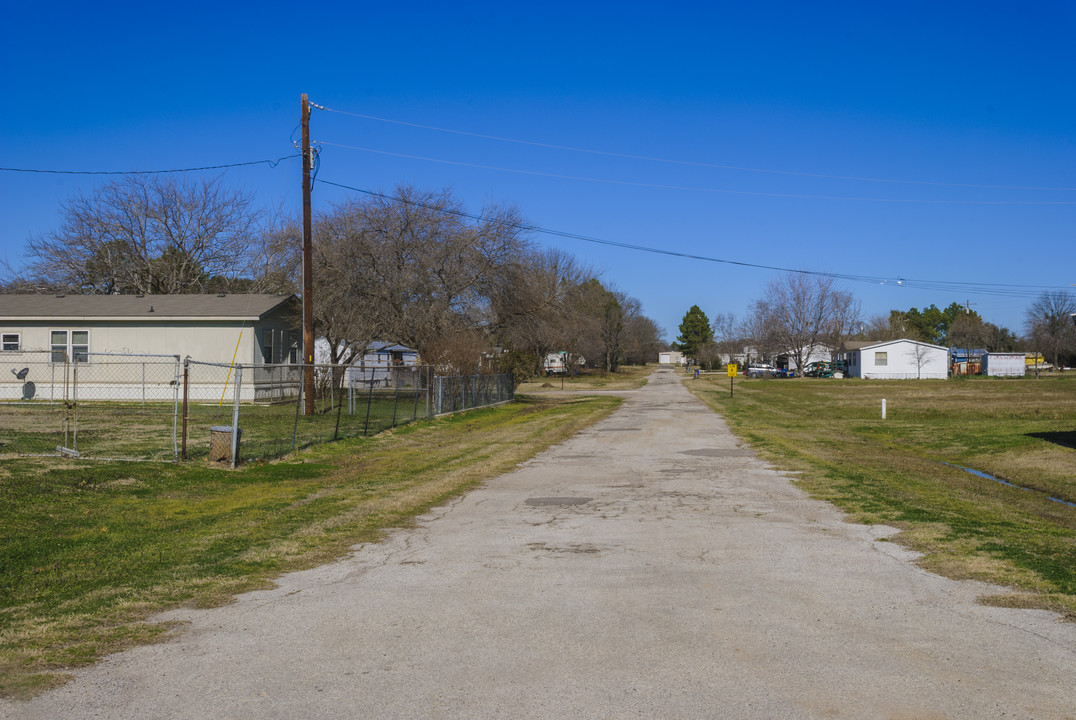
point(627, 377)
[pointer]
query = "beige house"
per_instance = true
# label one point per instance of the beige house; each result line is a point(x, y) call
point(43, 332)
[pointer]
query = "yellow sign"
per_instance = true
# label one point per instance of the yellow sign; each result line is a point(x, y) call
point(732, 369)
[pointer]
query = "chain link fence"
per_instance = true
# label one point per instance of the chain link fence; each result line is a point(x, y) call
point(105, 406)
point(463, 392)
point(160, 408)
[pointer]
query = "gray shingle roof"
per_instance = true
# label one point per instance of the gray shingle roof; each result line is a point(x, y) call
point(146, 308)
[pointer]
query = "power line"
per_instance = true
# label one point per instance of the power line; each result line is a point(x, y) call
point(691, 163)
point(722, 191)
point(270, 163)
point(1005, 290)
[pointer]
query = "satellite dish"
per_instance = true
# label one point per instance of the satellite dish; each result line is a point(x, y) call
point(20, 374)
point(28, 391)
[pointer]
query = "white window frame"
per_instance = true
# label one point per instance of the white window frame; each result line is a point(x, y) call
point(5, 340)
point(69, 346)
point(881, 358)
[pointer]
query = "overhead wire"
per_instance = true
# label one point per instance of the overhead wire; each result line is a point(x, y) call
point(690, 188)
point(691, 163)
point(271, 163)
point(999, 289)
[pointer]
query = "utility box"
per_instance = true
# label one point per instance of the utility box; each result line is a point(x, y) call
point(220, 443)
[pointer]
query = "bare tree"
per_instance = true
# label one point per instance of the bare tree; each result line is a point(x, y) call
point(409, 269)
point(642, 339)
point(532, 307)
point(1050, 324)
point(148, 234)
point(728, 334)
point(801, 312)
point(921, 356)
point(760, 331)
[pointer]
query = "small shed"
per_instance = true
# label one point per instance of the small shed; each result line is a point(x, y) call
point(1004, 364)
point(671, 357)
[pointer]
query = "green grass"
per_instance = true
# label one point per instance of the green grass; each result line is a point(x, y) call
point(88, 551)
point(145, 431)
point(894, 471)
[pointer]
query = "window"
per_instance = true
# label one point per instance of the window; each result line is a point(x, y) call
point(10, 342)
point(881, 358)
point(267, 347)
point(73, 344)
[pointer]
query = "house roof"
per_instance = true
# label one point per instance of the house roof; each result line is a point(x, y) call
point(390, 348)
point(881, 343)
point(141, 308)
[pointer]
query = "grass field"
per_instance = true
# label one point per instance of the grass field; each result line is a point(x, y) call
point(627, 377)
point(906, 471)
point(145, 430)
point(88, 551)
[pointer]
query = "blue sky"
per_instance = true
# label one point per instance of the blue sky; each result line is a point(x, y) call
point(901, 142)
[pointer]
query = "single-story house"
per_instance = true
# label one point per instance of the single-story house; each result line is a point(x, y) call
point(895, 360)
point(48, 334)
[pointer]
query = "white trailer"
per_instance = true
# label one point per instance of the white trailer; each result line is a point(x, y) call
point(1004, 364)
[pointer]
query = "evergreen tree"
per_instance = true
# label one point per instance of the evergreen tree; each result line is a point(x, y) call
point(695, 331)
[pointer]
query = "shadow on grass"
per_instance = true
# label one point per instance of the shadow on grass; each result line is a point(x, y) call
point(1065, 438)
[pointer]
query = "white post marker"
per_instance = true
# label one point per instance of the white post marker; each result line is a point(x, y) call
point(883, 408)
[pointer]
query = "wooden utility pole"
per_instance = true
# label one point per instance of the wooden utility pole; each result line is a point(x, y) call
point(308, 282)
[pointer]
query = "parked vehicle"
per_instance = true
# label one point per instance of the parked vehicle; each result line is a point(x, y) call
point(824, 369)
point(760, 370)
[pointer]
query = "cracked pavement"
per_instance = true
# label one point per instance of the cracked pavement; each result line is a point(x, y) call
point(649, 567)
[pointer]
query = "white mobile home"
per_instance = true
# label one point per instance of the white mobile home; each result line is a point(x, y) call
point(43, 333)
point(1004, 364)
point(898, 360)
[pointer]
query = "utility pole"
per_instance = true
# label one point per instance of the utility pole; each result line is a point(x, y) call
point(967, 306)
point(308, 283)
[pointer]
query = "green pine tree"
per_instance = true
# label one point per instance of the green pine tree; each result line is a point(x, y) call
point(695, 330)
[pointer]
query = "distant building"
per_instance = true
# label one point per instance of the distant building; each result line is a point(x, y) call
point(670, 357)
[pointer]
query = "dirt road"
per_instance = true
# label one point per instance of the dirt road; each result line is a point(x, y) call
point(647, 568)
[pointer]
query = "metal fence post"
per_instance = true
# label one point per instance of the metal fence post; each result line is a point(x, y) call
point(186, 394)
point(298, 404)
point(369, 402)
point(416, 381)
point(395, 398)
point(175, 409)
point(74, 403)
point(235, 414)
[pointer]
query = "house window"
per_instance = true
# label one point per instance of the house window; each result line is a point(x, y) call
point(881, 358)
point(267, 347)
point(11, 342)
point(292, 344)
point(70, 344)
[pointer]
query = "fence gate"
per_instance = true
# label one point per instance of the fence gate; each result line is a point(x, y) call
point(123, 407)
point(99, 406)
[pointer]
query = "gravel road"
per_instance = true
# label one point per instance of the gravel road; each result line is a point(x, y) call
point(649, 567)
